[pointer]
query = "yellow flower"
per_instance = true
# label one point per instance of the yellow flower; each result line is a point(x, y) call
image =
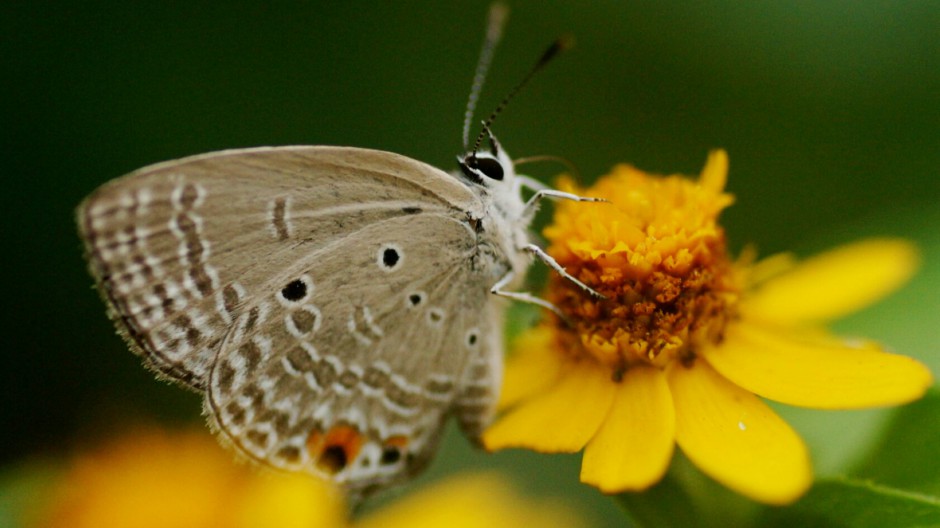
point(687, 340)
point(174, 480)
point(157, 479)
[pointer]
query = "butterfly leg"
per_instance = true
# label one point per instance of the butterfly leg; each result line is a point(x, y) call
point(532, 205)
point(530, 183)
point(552, 263)
point(525, 297)
point(543, 191)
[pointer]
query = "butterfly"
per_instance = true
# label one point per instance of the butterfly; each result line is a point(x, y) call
point(333, 305)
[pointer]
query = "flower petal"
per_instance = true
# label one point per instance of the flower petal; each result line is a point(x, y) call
point(286, 501)
point(815, 372)
point(469, 502)
point(715, 173)
point(560, 420)
point(835, 283)
point(632, 449)
point(734, 437)
point(533, 367)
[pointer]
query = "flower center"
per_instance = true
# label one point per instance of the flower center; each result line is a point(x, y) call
point(659, 257)
point(654, 320)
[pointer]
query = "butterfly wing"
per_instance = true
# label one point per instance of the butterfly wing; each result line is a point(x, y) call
point(180, 249)
point(352, 374)
point(332, 302)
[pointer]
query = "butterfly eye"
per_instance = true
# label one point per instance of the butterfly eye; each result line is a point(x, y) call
point(480, 166)
point(491, 168)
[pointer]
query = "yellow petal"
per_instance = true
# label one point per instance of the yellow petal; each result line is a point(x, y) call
point(533, 367)
point(735, 438)
point(767, 268)
point(560, 420)
point(288, 501)
point(469, 502)
point(634, 445)
point(835, 283)
point(715, 173)
point(815, 372)
point(168, 479)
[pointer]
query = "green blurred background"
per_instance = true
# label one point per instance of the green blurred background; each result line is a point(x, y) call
point(830, 112)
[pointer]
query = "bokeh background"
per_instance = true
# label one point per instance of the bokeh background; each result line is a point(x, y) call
point(830, 112)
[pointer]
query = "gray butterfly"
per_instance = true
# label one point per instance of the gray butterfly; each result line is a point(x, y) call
point(333, 304)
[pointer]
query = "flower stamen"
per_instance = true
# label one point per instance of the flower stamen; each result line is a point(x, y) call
point(668, 283)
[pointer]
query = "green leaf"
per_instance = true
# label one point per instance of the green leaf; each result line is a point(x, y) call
point(24, 491)
point(855, 503)
point(666, 505)
point(687, 498)
point(904, 456)
point(519, 317)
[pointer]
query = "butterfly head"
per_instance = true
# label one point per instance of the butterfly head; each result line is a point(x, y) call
point(489, 166)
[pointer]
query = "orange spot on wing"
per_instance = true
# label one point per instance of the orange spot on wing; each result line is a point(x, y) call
point(399, 441)
point(314, 442)
point(336, 449)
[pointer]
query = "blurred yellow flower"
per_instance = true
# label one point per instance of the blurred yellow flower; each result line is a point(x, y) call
point(159, 479)
point(687, 339)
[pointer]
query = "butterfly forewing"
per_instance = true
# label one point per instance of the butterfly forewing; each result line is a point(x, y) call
point(179, 248)
point(352, 374)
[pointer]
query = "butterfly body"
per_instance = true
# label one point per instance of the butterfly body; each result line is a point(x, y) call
point(332, 304)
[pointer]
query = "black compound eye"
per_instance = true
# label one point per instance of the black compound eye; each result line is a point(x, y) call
point(478, 167)
point(491, 168)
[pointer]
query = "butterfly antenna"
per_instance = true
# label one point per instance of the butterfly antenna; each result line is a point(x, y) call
point(496, 21)
point(561, 44)
point(572, 168)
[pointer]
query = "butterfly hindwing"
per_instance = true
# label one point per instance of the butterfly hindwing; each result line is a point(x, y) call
point(179, 249)
point(356, 354)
